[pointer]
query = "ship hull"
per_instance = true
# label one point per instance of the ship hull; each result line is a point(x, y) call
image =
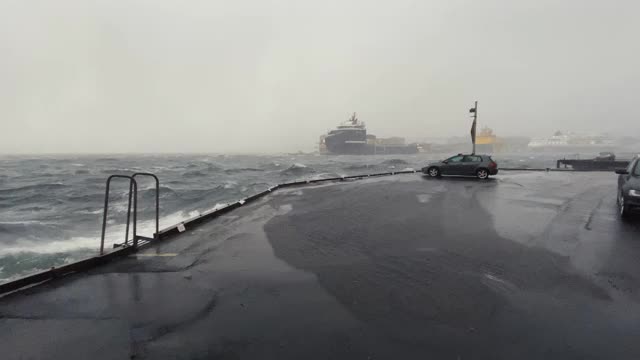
point(560, 149)
point(371, 149)
point(484, 148)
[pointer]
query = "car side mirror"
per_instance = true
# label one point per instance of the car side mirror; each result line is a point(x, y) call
point(445, 161)
point(622, 172)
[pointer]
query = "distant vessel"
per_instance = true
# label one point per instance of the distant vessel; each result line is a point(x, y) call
point(573, 143)
point(350, 137)
point(486, 141)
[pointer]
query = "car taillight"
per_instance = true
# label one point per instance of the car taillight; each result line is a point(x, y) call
point(493, 164)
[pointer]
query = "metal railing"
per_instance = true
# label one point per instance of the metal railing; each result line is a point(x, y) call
point(133, 193)
point(155, 235)
point(132, 200)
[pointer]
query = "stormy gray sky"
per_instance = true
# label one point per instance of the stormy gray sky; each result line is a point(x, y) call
point(272, 75)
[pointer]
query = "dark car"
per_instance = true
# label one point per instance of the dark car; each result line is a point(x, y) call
point(469, 165)
point(629, 188)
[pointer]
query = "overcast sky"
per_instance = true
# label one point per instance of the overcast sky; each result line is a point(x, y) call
point(272, 75)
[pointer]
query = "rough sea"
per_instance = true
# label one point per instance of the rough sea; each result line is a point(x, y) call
point(51, 206)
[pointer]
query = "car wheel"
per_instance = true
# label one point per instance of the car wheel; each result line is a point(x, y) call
point(434, 172)
point(622, 206)
point(482, 173)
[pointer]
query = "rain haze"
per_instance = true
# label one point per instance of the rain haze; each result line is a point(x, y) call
point(271, 76)
point(187, 179)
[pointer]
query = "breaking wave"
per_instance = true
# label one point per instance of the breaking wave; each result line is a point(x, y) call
point(51, 208)
point(297, 169)
point(37, 187)
point(195, 173)
point(360, 167)
point(242, 170)
point(394, 162)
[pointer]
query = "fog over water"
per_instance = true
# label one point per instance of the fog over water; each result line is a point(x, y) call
point(272, 75)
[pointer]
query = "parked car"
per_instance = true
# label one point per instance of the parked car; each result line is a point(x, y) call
point(629, 188)
point(468, 165)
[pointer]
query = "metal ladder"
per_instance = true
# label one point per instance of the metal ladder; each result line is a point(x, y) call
point(136, 240)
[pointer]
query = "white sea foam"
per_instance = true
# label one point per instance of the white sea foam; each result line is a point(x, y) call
point(26, 222)
point(218, 206)
point(114, 234)
point(89, 212)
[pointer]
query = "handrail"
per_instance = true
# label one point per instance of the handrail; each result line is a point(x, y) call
point(132, 194)
point(155, 235)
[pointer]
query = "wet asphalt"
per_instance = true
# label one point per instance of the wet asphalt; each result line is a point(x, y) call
point(522, 266)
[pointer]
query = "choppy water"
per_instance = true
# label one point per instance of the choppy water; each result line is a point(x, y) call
point(51, 206)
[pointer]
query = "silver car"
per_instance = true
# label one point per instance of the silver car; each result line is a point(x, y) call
point(468, 165)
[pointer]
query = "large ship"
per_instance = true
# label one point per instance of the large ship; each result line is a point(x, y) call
point(486, 141)
point(350, 137)
point(562, 142)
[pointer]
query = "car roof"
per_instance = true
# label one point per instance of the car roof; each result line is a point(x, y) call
point(471, 155)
